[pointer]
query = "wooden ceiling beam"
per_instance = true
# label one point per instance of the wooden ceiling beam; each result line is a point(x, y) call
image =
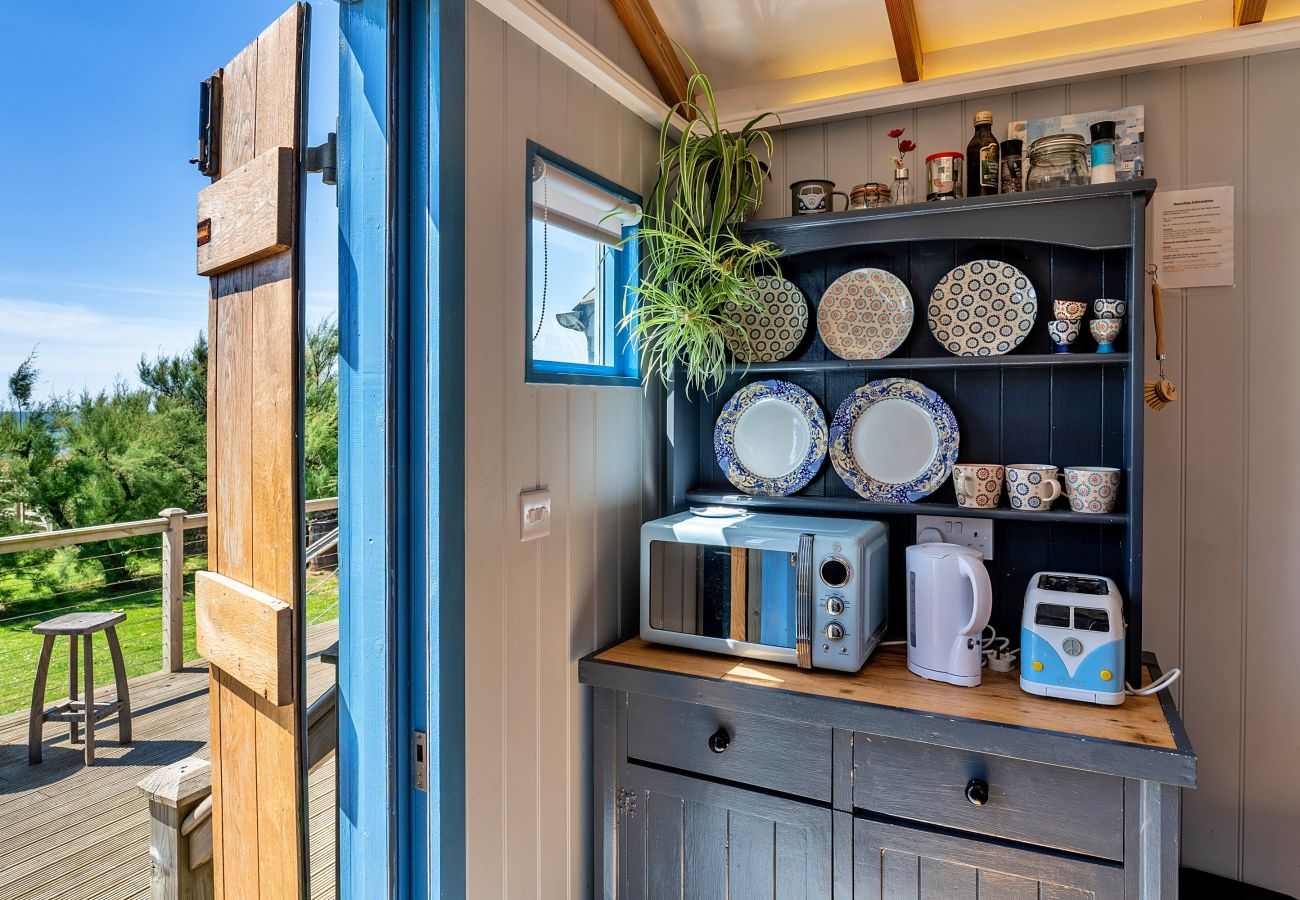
point(1248, 12)
point(652, 42)
point(907, 38)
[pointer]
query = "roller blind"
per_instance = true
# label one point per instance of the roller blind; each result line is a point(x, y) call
point(578, 205)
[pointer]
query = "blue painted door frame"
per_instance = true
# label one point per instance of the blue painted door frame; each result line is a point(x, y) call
point(401, 455)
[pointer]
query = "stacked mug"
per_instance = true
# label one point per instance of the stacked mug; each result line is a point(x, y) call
point(1032, 487)
point(1105, 327)
point(1065, 327)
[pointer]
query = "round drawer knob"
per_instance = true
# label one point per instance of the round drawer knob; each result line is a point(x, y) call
point(719, 740)
point(977, 791)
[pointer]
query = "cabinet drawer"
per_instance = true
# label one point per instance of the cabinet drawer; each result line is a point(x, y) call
point(1029, 802)
point(776, 754)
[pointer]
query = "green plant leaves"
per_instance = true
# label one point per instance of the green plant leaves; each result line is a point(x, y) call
point(710, 180)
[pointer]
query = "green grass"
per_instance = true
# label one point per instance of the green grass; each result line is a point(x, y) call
point(42, 586)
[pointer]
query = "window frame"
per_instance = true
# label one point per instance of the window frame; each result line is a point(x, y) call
point(625, 368)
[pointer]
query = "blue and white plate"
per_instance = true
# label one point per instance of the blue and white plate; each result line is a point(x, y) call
point(770, 438)
point(985, 307)
point(894, 441)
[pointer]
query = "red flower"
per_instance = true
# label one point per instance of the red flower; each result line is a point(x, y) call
point(896, 133)
point(906, 146)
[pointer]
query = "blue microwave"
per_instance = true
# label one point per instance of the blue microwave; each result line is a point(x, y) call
point(794, 589)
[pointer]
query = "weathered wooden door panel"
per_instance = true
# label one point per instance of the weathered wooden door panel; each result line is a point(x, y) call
point(694, 840)
point(893, 862)
point(255, 503)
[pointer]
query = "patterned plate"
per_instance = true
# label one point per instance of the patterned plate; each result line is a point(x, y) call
point(770, 439)
point(865, 314)
point(894, 440)
point(983, 308)
point(774, 329)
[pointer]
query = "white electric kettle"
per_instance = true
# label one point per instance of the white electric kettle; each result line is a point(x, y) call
point(949, 598)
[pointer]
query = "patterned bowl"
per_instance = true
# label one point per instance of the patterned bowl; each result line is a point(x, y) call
point(1109, 309)
point(1069, 310)
point(1104, 332)
point(1063, 332)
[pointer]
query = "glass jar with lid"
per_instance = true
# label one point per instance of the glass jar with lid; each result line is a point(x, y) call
point(1058, 160)
point(871, 195)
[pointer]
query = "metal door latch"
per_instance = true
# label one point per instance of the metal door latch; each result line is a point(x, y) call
point(209, 156)
point(419, 761)
point(325, 159)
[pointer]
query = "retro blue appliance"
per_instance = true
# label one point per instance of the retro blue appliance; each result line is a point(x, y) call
point(1072, 638)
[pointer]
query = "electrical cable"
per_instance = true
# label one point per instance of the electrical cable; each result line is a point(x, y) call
point(1156, 686)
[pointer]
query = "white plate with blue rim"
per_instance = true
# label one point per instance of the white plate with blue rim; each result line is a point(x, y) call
point(770, 438)
point(894, 441)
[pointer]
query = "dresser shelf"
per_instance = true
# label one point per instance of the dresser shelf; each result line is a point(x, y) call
point(849, 506)
point(1028, 406)
point(902, 363)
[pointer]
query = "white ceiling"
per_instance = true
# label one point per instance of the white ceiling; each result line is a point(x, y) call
point(824, 47)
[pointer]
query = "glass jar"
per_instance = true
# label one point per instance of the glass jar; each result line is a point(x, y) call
point(1058, 160)
point(902, 190)
point(1012, 175)
point(871, 195)
point(943, 175)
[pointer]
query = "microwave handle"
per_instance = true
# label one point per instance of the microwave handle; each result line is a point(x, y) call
point(803, 599)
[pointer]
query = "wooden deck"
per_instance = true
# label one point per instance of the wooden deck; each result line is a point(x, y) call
point(74, 833)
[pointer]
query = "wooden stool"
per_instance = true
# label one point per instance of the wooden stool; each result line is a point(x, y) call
point(72, 710)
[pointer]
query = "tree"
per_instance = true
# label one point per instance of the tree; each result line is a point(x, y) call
point(23, 381)
point(180, 377)
point(321, 410)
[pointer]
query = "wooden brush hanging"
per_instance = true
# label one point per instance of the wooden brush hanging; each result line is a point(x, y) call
point(1161, 392)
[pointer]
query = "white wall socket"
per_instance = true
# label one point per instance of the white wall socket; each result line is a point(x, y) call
point(534, 515)
point(976, 534)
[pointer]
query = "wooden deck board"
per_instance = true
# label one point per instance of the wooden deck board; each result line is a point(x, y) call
point(74, 833)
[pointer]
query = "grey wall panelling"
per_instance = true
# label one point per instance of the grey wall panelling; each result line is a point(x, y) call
point(538, 606)
point(1220, 566)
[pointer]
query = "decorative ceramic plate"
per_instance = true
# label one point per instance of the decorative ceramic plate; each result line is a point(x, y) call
point(774, 329)
point(865, 314)
point(983, 308)
point(770, 439)
point(894, 440)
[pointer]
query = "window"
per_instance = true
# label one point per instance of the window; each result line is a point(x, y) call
point(582, 258)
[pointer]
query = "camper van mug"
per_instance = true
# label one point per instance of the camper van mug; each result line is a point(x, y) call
point(813, 196)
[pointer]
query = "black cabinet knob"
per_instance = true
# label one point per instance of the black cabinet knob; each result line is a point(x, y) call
point(719, 740)
point(977, 791)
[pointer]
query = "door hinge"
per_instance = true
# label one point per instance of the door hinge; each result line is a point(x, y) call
point(325, 159)
point(419, 761)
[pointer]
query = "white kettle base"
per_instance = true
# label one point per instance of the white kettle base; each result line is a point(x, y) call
point(936, 675)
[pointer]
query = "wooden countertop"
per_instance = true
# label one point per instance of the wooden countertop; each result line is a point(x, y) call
point(886, 681)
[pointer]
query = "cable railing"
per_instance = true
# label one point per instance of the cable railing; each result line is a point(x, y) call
point(144, 569)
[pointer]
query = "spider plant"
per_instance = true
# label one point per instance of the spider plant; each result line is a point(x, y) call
point(710, 180)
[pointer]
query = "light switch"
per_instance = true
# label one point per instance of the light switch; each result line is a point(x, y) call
point(534, 515)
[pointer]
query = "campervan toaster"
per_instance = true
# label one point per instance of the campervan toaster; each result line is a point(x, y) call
point(795, 589)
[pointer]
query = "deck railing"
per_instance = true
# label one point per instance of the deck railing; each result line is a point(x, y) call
point(45, 574)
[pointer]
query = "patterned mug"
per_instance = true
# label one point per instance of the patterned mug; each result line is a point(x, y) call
point(1070, 310)
point(1104, 332)
point(1106, 308)
point(978, 485)
point(1032, 487)
point(1092, 489)
point(1063, 332)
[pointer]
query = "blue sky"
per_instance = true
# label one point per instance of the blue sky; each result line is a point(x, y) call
point(98, 111)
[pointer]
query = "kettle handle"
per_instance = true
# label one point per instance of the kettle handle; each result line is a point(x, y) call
point(982, 588)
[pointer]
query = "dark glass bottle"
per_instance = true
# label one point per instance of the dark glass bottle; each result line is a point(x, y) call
point(982, 163)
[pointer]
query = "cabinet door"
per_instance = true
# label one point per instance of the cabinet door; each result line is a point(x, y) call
point(694, 840)
point(892, 862)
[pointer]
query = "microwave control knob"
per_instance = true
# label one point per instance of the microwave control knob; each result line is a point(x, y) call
point(835, 631)
point(835, 606)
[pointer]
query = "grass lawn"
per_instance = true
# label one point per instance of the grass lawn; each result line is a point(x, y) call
point(43, 586)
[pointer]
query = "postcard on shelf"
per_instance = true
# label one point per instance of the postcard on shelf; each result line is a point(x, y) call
point(1130, 128)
